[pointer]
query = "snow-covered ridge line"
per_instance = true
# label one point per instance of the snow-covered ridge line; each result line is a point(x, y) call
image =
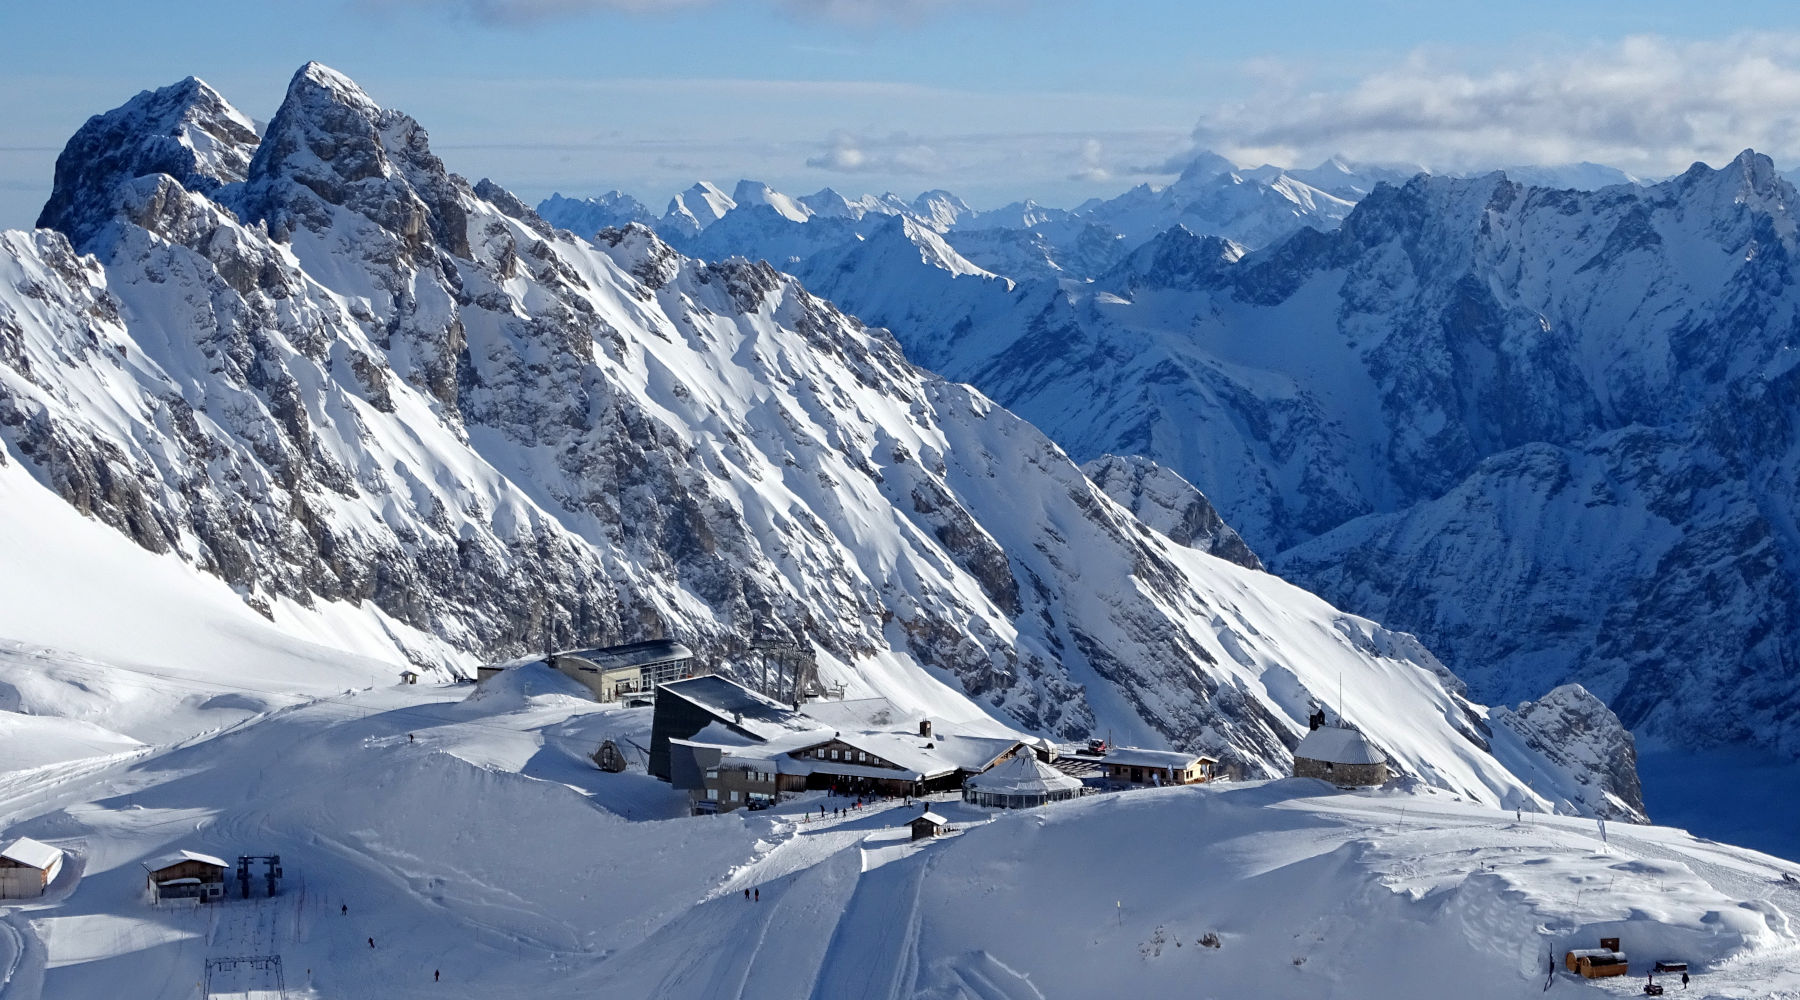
point(352, 378)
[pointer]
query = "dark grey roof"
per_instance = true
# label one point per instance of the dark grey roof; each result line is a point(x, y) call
point(736, 704)
point(633, 654)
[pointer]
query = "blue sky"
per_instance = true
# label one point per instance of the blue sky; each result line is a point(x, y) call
point(994, 99)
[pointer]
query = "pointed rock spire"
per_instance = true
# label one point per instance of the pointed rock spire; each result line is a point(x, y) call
point(185, 130)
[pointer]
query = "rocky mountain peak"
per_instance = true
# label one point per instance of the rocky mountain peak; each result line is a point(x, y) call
point(1576, 731)
point(331, 145)
point(185, 130)
point(642, 254)
point(1177, 258)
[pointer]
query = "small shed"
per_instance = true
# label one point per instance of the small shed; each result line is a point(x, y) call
point(1020, 782)
point(409, 677)
point(928, 824)
point(1597, 963)
point(27, 867)
point(186, 875)
point(1341, 756)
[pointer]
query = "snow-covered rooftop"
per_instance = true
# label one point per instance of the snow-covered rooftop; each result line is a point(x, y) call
point(32, 853)
point(931, 817)
point(761, 716)
point(185, 855)
point(634, 654)
point(1022, 774)
point(931, 756)
point(1339, 746)
point(1141, 757)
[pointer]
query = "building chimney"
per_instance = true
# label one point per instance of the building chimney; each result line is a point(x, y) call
point(925, 727)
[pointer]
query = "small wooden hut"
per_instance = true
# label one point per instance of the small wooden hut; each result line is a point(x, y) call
point(27, 867)
point(1597, 963)
point(928, 824)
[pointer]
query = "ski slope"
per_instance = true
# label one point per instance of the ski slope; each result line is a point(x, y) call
point(465, 834)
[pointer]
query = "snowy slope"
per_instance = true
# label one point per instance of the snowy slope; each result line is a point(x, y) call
point(1280, 889)
point(352, 380)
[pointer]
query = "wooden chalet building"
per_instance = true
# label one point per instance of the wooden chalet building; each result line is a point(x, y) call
point(186, 875)
point(1137, 767)
point(27, 867)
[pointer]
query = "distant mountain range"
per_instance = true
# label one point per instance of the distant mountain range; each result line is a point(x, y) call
point(1250, 206)
point(1547, 429)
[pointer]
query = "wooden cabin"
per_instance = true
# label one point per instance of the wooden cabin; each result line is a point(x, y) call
point(186, 875)
point(928, 824)
point(27, 867)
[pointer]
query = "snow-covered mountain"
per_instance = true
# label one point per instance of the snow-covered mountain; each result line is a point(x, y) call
point(587, 216)
point(1587, 395)
point(338, 377)
point(1214, 197)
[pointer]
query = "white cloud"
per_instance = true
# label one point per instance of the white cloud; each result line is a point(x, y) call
point(897, 154)
point(1090, 168)
point(1647, 104)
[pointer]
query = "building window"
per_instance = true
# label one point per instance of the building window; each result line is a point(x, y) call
point(712, 772)
point(731, 797)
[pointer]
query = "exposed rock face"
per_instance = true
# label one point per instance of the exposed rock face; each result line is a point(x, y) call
point(1580, 735)
point(1170, 504)
point(185, 130)
point(356, 378)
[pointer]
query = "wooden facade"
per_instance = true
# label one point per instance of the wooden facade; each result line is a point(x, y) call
point(1597, 963)
point(1134, 774)
point(27, 868)
point(188, 878)
point(732, 785)
point(929, 824)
